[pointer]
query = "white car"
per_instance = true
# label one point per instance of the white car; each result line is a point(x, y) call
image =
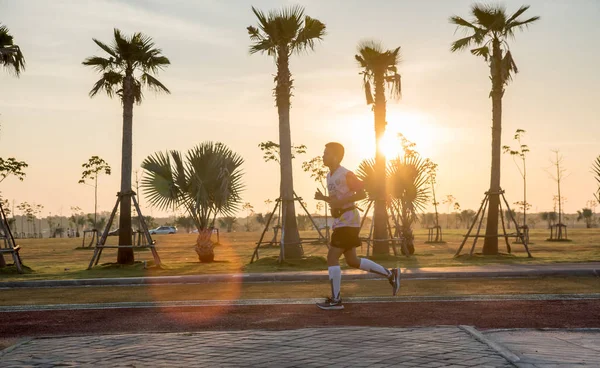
point(164, 230)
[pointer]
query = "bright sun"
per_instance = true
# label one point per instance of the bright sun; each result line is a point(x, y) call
point(415, 127)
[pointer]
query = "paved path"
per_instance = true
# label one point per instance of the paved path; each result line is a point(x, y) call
point(492, 270)
point(444, 346)
point(551, 348)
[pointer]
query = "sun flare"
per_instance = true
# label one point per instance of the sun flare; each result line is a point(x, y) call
point(416, 127)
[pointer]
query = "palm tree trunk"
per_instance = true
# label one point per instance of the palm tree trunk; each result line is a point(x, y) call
point(490, 245)
point(125, 255)
point(290, 235)
point(96, 201)
point(204, 245)
point(380, 246)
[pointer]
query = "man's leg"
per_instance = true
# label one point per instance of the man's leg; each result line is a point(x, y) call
point(335, 279)
point(364, 264)
point(335, 272)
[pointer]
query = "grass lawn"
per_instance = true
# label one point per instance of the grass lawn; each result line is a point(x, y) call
point(59, 258)
point(277, 290)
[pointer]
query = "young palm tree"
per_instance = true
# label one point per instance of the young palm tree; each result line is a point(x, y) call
point(409, 189)
point(379, 67)
point(204, 184)
point(489, 31)
point(11, 56)
point(280, 34)
point(132, 63)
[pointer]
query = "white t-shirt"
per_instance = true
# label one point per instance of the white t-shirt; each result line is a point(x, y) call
point(342, 183)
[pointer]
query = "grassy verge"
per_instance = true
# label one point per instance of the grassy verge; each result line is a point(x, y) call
point(59, 259)
point(234, 291)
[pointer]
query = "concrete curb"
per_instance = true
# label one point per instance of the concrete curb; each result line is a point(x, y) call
point(407, 274)
point(15, 345)
point(499, 348)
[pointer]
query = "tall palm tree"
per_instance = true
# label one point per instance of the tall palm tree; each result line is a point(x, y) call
point(205, 184)
point(11, 56)
point(132, 63)
point(379, 67)
point(279, 34)
point(489, 31)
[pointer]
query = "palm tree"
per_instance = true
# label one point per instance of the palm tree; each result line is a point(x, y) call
point(489, 31)
point(409, 189)
point(379, 67)
point(11, 56)
point(132, 63)
point(204, 184)
point(279, 34)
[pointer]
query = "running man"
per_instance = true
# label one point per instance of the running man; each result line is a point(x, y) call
point(345, 189)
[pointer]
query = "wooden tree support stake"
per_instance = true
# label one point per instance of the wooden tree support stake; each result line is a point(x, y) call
point(148, 243)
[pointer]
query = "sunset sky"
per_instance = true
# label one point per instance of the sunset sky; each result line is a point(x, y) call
point(221, 93)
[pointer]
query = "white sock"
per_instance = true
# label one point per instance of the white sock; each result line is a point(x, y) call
point(370, 266)
point(335, 278)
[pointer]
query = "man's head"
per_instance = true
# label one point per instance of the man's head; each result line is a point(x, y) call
point(333, 155)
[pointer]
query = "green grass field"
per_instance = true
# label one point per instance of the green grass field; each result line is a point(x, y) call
point(59, 258)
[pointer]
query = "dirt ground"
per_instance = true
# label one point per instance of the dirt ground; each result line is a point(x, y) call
point(482, 314)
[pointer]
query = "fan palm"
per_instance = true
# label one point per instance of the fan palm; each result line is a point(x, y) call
point(488, 32)
point(379, 68)
point(206, 183)
point(279, 34)
point(132, 63)
point(409, 190)
point(11, 56)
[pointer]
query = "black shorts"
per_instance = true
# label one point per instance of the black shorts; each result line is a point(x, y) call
point(345, 237)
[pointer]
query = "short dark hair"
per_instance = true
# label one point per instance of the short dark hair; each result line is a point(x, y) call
point(337, 149)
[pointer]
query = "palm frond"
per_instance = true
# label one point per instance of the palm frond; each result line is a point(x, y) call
point(481, 51)
point(105, 47)
point(262, 46)
point(100, 64)
point(491, 17)
point(109, 83)
point(596, 169)
point(520, 25)
point(464, 23)
point(11, 55)
point(263, 20)
point(153, 83)
point(368, 92)
point(508, 67)
point(159, 182)
point(395, 85)
point(254, 33)
point(155, 62)
point(516, 14)
point(313, 30)
point(463, 43)
point(366, 173)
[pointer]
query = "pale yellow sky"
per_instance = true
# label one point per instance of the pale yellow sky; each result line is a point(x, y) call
point(220, 92)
